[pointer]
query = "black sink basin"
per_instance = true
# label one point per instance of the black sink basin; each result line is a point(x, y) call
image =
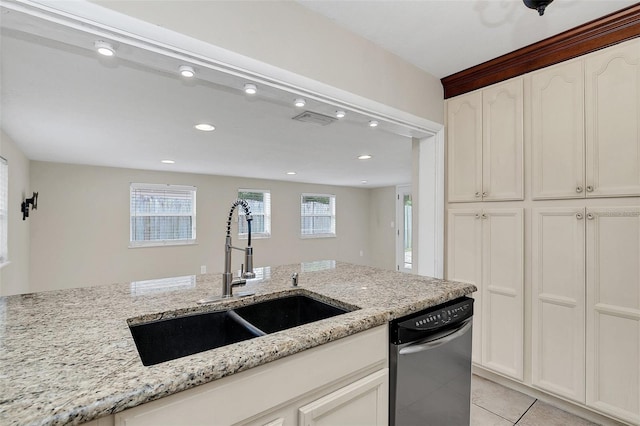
point(172, 338)
point(287, 312)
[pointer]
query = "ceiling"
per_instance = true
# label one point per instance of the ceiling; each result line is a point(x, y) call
point(61, 102)
point(426, 32)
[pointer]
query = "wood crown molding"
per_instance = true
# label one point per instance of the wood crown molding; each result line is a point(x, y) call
point(600, 33)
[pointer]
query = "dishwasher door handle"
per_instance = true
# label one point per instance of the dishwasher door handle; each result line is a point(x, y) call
point(431, 343)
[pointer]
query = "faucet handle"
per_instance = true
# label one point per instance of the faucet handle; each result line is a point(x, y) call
point(294, 279)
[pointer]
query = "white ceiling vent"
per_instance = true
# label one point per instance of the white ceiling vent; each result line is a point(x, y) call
point(315, 118)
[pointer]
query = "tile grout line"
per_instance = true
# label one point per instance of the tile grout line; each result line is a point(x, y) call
point(498, 415)
point(526, 411)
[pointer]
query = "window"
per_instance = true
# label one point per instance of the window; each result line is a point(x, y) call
point(162, 214)
point(260, 205)
point(318, 215)
point(4, 202)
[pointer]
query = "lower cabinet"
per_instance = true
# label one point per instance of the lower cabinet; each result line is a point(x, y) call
point(485, 247)
point(343, 382)
point(586, 307)
point(558, 301)
point(363, 402)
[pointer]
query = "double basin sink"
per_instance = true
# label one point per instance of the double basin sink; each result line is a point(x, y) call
point(172, 338)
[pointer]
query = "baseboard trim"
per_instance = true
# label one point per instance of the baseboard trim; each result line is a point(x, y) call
point(570, 407)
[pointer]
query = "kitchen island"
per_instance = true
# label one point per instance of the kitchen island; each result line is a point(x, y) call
point(68, 357)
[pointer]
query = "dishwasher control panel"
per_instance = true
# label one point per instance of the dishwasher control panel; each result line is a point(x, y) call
point(432, 319)
point(440, 318)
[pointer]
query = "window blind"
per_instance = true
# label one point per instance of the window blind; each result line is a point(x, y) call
point(4, 203)
point(318, 215)
point(162, 214)
point(260, 205)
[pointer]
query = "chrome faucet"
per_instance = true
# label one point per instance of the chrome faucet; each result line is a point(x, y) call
point(228, 282)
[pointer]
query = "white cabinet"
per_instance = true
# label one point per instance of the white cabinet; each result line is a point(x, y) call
point(485, 136)
point(464, 263)
point(502, 141)
point(612, 99)
point(558, 301)
point(557, 131)
point(351, 372)
point(361, 403)
point(464, 136)
point(613, 311)
point(586, 306)
point(485, 247)
point(582, 313)
point(584, 126)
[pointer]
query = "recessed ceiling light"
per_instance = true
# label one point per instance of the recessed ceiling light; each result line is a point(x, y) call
point(340, 114)
point(205, 127)
point(291, 173)
point(250, 89)
point(365, 157)
point(104, 48)
point(373, 123)
point(299, 102)
point(167, 161)
point(363, 182)
point(186, 71)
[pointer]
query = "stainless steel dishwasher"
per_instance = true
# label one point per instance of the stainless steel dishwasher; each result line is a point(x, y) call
point(430, 362)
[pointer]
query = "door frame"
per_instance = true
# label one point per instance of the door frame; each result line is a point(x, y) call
point(428, 205)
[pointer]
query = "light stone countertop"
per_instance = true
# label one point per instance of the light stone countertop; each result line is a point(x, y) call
point(67, 356)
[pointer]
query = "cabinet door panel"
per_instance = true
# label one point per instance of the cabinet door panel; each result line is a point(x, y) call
point(557, 132)
point(612, 98)
point(464, 147)
point(502, 285)
point(364, 403)
point(558, 298)
point(464, 263)
point(613, 311)
point(502, 141)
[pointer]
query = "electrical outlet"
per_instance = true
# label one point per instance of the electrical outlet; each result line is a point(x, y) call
point(361, 253)
point(203, 269)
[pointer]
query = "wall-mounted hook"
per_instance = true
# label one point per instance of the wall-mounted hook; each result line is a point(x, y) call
point(24, 207)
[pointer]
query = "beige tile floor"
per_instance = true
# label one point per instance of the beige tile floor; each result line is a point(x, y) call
point(495, 405)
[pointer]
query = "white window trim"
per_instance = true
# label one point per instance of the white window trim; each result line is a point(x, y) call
point(163, 243)
point(326, 234)
point(256, 235)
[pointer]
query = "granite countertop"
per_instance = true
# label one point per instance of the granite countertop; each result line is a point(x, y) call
point(68, 357)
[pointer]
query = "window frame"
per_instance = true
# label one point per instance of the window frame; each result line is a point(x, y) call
point(332, 203)
point(267, 216)
point(134, 186)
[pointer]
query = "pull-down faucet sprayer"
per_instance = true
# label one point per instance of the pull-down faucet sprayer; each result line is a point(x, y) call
point(227, 277)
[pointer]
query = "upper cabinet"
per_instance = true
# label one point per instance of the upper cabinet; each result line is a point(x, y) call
point(612, 98)
point(585, 132)
point(557, 132)
point(464, 123)
point(502, 138)
point(485, 135)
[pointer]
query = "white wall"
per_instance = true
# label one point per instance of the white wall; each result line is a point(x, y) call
point(289, 36)
point(80, 233)
point(382, 233)
point(14, 277)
